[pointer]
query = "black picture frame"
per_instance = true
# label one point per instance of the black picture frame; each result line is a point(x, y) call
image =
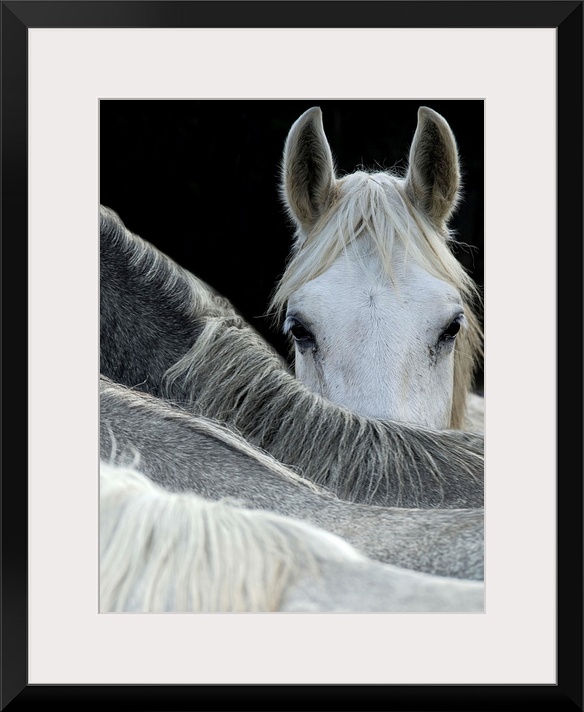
point(566, 17)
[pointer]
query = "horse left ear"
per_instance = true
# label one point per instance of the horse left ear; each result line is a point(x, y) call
point(308, 173)
point(433, 178)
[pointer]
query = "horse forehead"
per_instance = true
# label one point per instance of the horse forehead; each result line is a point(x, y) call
point(362, 285)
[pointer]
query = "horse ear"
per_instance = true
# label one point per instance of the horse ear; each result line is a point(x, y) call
point(433, 178)
point(308, 172)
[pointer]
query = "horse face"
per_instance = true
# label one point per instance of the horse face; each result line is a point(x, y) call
point(375, 332)
point(381, 346)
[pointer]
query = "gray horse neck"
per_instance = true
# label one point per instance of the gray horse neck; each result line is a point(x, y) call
point(143, 331)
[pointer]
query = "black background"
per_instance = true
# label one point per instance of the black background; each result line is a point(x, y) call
point(199, 179)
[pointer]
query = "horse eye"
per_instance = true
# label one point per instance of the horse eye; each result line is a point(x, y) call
point(449, 334)
point(299, 332)
point(304, 338)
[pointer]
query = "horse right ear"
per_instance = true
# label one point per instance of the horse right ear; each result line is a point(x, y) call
point(308, 172)
point(433, 177)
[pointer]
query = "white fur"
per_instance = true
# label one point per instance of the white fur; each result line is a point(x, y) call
point(162, 551)
point(370, 331)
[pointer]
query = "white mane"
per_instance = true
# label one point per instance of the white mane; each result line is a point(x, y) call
point(164, 551)
point(372, 205)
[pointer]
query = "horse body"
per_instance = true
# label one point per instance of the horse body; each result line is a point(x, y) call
point(163, 552)
point(165, 333)
point(183, 453)
point(380, 310)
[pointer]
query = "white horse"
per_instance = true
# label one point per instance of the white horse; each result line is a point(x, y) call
point(380, 310)
point(163, 551)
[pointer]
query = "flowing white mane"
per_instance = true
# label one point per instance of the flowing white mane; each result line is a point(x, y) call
point(164, 551)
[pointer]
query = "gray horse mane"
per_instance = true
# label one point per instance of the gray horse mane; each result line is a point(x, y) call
point(161, 275)
point(232, 375)
point(140, 402)
point(147, 306)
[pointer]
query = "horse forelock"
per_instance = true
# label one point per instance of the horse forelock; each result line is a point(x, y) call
point(372, 210)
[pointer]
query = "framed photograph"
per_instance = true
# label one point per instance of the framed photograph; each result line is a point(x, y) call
point(76, 73)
